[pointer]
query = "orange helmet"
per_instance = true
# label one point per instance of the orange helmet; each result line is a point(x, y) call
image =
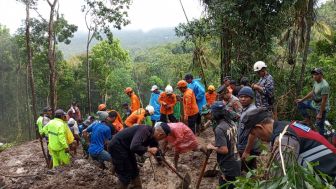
point(128, 89)
point(101, 107)
point(181, 84)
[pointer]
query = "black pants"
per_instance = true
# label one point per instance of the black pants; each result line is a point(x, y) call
point(124, 162)
point(171, 117)
point(192, 123)
point(222, 182)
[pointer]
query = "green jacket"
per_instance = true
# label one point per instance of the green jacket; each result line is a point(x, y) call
point(55, 130)
point(39, 124)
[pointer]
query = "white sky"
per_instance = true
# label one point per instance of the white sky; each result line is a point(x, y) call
point(144, 14)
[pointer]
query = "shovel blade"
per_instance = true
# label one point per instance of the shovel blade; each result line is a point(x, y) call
point(185, 181)
point(211, 173)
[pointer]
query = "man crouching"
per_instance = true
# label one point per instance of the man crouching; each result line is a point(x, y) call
point(128, 142)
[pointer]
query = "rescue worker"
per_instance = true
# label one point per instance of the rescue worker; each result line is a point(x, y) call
point(198, 89)
point(316, 100)
point(226, 83)
point(72, 123)
point(57, 137)
point(244, 82)
point(298, 144)
point(100, 134)
point(234, 87)
point(39, 123)
point(211, 95)
point(116, 120)
point(135, 101)
point(44, 119)
point(206, 113)
point(264, 88)
point(178, 108)
point(139, 116)
point(102, 107)
point(168, 101)
point(190, 108)
point(181, 140)
point(135, 140)
point(154, 101)
point(126, 111)
point(231, 102)
point(225, 144)
point(246, 96)
point(74, 112)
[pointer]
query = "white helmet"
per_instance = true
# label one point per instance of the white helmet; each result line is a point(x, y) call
point(71, 121)
point(169, 89)
point(154, 87)
point(259, 65)
point(150, 109)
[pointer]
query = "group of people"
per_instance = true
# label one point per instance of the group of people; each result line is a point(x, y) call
point(242, 117)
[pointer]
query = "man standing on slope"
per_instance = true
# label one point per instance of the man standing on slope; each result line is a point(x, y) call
point(190, 107)
point(135, 102)
point(167, 100)
point(154, 101)
point(57, 137)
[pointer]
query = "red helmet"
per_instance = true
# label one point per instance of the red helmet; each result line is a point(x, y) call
point(128, 90)
point(181, 84)
point(102, 107)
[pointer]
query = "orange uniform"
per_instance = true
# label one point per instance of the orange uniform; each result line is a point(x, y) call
point(189, 103)
point(118, 123)
point(136, 117)
point(210, 97)
point(135, 102)
point(169, 101)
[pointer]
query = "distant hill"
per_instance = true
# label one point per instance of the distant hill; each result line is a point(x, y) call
point(133, 40)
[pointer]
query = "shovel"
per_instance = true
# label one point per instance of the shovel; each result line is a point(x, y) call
point(203, 169)
point(186, 180)
point(211, 173)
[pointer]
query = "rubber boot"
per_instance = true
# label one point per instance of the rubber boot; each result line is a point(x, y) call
point(136, 183)
point(121, 185)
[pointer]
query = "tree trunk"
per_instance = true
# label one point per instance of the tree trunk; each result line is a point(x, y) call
point(88, 80)
point(51, 57)
point(88, 85)
point(30, 65)
point(309, 18)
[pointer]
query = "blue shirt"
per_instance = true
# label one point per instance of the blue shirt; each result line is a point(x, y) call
point(100, 133)
point(154, 101)
point(199, 91)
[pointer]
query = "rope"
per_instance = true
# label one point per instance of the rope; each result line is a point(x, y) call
point(281, 156)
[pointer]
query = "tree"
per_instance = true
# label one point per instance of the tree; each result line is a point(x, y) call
point(51, 54)
point(100, 16)
point(29, 4)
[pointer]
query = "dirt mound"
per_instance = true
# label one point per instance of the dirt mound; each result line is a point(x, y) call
point(23, 166)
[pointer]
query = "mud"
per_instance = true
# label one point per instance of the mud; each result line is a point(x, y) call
point(23, 167)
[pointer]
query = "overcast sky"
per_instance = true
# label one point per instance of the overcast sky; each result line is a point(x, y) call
point(144, 14)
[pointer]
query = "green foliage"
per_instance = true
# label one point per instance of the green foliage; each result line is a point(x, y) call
point(103, 15)
point(327, 13)
point(111, 73)
point(296, 177)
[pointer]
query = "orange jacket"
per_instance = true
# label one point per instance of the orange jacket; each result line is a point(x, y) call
point(210, 98)
point(118, 123)
point(135, 102)
point(136, 117)
point(189, 103)
point(169, 101)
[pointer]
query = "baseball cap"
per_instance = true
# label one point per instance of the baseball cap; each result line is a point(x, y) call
point(317, 71)
point(255, 116)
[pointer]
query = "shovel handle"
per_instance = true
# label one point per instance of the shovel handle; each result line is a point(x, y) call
point(171, 167)
point(203, 169)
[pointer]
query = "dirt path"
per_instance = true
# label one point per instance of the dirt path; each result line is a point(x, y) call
point(23, 166)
